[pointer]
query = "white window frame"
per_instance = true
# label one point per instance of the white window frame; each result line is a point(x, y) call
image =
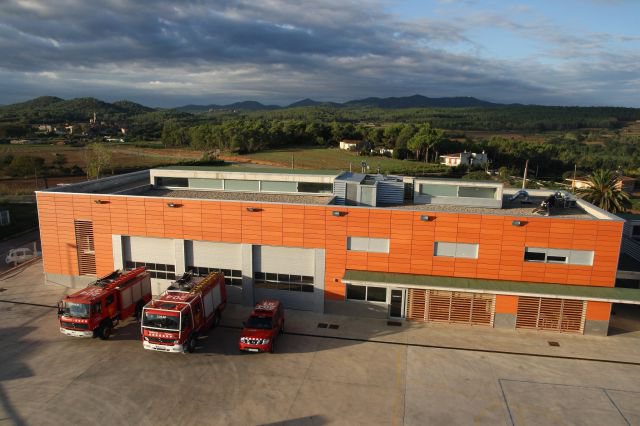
point(368, 245)
point(457, 248)
point(571, 256)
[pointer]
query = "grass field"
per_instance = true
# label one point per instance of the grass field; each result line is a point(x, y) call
point(337, 159)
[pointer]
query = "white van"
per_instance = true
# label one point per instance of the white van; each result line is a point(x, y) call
point(20, 255)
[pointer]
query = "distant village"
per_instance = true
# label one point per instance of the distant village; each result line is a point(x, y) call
point(65, 133)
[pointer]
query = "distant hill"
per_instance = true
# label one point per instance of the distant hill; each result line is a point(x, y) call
point(415, 101)
point(419, 101)
point(311, 103)
point(50, 109)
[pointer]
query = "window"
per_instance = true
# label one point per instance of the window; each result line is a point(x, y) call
point(109, 299)
point(551, 255)
point(366, 293)
point(323, 188)
point(461, 250)
point(439, 190)
point(241, 185)
point(274, 186)
point(205, 183)
point(172, 182)
point(287, 282)
point(436, 190)
point(156, 270)
point(635, 232)
point(231, 276)
point(373, 245)
point(85, 247)
point(96, 308)
point(477, 192)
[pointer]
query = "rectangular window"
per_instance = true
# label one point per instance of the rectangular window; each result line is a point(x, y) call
point(366, 293)
point(273, 186)
point(565, 256)
point(461, 250)
point(439, 190)
point(172, 182)
point(206, 183)
point(231, 276)
point(241, 185)
point(477, 192)
point(286, 282)
point(372, 245)
point(156, 270)
point(314, 187)
point(635, 232)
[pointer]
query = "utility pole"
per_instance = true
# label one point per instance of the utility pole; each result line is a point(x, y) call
point(524, 179)
point(573, 183)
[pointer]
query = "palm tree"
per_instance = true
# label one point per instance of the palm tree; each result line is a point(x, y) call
point(605, 191)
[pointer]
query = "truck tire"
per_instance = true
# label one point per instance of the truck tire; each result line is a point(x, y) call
point(216, 319)
point(191, 343)
point(104, 332)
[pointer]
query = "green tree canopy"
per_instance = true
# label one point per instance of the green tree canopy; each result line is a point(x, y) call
point(605, 192)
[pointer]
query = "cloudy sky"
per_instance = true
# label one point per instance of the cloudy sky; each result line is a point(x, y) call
point(169, 53)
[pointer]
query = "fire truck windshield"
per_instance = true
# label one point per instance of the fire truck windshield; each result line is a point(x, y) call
point(165, 322)
point(77, 310)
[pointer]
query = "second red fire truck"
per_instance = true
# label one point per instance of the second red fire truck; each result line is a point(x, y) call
point(187, 309)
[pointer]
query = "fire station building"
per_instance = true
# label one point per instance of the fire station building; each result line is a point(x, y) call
point(433, 250)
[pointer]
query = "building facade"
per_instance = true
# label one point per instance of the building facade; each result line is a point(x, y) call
point(295, 236)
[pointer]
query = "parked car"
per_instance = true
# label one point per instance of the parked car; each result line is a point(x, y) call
point(263, 327)
point(20, 255)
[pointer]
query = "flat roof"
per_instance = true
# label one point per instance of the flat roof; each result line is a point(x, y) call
point(259, 197)
point(250, 169)
point(569, 291)
point(512, 208)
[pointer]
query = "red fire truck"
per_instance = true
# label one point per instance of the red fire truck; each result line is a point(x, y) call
point(96, 309)
point(190, 306)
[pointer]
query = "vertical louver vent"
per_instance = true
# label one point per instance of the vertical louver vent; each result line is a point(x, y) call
point(451, 306)
point(85, 247)
point(543, 313)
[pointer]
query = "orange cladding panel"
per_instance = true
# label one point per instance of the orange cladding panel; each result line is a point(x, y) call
point(598, 311)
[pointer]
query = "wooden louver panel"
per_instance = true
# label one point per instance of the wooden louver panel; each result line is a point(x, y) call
point(542, 313)
point(85, 247)
point(450, 307)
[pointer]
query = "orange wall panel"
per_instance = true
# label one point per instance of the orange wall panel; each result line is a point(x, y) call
point(598, 311)
point(506, 304)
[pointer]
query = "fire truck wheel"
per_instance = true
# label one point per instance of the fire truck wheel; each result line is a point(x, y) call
point(105, 330)
point(191, 343)
point(216, 320)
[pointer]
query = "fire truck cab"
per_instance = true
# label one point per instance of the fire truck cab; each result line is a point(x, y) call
point(189, 307)
point(96, 309)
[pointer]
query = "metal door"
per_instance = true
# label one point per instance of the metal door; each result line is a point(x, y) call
point(396, 304)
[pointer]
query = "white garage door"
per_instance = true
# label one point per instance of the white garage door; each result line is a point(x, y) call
point(156, 254)
point(286, 274)
point(203, 257)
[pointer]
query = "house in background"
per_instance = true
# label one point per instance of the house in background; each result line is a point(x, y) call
point(350, 144)
point(467, 158)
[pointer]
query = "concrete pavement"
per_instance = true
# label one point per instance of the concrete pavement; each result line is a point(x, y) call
point(364, 372)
